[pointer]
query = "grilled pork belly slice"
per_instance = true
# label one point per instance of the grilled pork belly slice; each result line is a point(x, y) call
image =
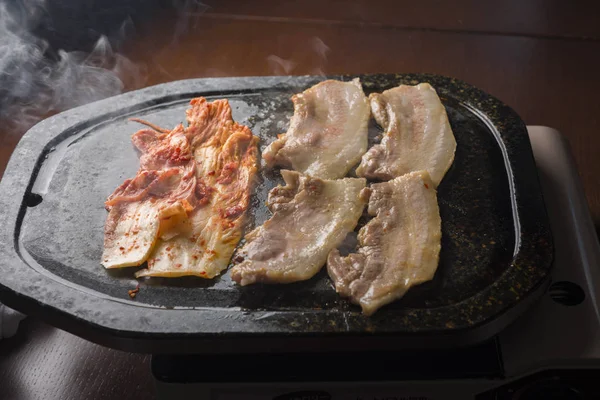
point(328, 132)
point(398, 249)
point(417, 134)
point(311, 217)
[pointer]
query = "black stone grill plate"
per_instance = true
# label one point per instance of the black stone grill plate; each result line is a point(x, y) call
point(496, 246)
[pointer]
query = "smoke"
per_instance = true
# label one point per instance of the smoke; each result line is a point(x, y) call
point(37, 80)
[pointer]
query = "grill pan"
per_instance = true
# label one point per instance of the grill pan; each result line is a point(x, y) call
point(496, 243)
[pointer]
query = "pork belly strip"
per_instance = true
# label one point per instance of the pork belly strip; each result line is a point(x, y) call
point(327, 133)
point(311, 217)
point(399, 248)
point(417, 134)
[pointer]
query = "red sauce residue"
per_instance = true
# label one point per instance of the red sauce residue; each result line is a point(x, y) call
point(177, 265)
point(132, 293)
point(232, 212)
point(203, 192)
point(211, 173)
point(179, 156)
point(227, 172)
point(121, 248)
point(426, 186)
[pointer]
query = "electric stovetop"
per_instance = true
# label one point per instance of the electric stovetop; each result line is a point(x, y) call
point(552, 351)
point(305, 342)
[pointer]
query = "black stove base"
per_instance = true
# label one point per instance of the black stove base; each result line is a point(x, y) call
point(478, 362)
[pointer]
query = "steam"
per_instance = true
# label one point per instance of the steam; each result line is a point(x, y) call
point(280, 66)
point(318, 48)
point(186, 11)
point(36, 80)
point(321, 49)
point(79, 78)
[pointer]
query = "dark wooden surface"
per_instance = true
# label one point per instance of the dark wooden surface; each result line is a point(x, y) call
point(540, 57)
point(42, 362)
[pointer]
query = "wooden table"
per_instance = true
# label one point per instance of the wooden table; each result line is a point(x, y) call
point(540, 57)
